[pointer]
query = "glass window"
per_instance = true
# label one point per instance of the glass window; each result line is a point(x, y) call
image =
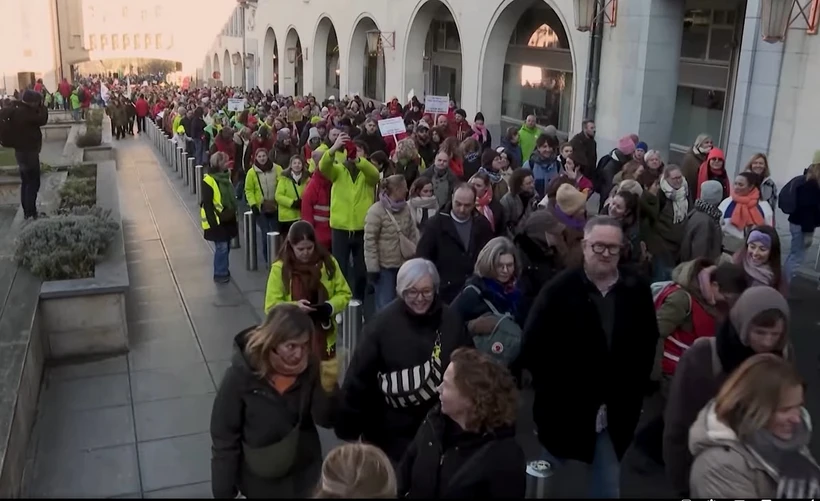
point(540, 27)
point(452, 41)
point(695, 41)
point(721, 44)
point(137, 40)
point(697, 111)
point(543, 92)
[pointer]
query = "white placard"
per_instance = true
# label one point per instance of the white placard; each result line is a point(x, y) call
point(392, 126)
point(236, 104)
point(436, 104)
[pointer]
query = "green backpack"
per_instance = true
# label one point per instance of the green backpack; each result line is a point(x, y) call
point(503, 344)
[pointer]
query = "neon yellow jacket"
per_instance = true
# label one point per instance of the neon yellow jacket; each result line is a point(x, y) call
point(338, 293)
point(253, 191)
point(177, 120)
point(350, 198)
point(287, 192)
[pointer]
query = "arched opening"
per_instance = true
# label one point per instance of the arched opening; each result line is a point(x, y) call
point(227, 74)
point(270, 60)
point(432, 64)
point(217, 73)
point(209, 69)
point(138, 69)
point(528, 62)
point(292, 82)
point(326, 73)
point(368, 82)
point(238, 70)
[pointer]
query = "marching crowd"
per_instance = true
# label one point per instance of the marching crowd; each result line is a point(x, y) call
point(491, 274)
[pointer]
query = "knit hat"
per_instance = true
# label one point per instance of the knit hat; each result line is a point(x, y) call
point(180, 129)
point(626, 145)
point(816, 158)
point(313, 133)
point(31, 97)
point(753, 301)
point(642, 146)
point(283, 133)
point(569, 199)
point(711, 192)
point(422, 125)
point(550, 130)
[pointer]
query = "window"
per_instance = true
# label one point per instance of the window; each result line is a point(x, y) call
point(115, 42)
point(708, 35)
point(697, 111)
point(137, 44)
point(92, 42)
point(545, 93)
point(148, 41)
point(158, 44)
point(445, 36)
point(103, 42)
point(540, 27)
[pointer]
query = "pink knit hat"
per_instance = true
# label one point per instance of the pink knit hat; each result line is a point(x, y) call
point(626, 145)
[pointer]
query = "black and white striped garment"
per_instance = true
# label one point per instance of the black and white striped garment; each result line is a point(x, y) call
point(411, 387)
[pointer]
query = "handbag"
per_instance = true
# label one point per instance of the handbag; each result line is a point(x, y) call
point(416, 385)
point(275, 460)
point(407, 248)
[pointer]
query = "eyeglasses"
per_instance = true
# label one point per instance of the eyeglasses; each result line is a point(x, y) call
point(505, 266)
point(612, 249)
point(414, 294)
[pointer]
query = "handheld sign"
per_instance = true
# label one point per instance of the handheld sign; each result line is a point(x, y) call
point(392, 126)
point(436, 105)
point(236, 104)
point(294, 114)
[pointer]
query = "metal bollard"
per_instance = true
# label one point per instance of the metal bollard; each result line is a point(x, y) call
point(199, 173)
point(538, 477)
point(273, 246)
point(190, 180)
point(169, 153)
point(251, 262)
point(183, 173)
point(347, 336)
point(177, 159)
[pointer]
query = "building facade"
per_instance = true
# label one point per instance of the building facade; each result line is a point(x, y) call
point(669, 69)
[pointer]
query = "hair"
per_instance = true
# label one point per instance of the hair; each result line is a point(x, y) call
point(629, 170)
point(774, 252)
point(587, 122)
point(451, 146)
point(297, 157)
point(217, 161)
point(730, 277)
point(470, 145)
point(299, 232)
point(357, 471)
point(391, 183)
point(544, 138)
point(632, 203)
point(484, 177)
point(647, 178)
point(284, 322)
point(753, 179)
point(418, 185)
point(406, 149)
point(813, 172)
point(564, 145)
point(601, 220)
point(464, 186)
point(668, 169)
point(487, 259)
point(761, 156)
point(414, 270)
point(752, 393)
point(511, 133)
point(517, 180)
point(489, 386)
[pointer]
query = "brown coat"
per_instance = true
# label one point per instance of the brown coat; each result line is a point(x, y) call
point(381, 237)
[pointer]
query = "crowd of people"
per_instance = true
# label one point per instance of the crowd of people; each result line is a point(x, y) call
point(491, 273)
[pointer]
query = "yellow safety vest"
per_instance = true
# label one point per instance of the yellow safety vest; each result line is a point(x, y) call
point(210, 181)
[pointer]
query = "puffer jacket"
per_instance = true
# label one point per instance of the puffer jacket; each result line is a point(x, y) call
point(381, 237)
point(288, 192)
point(352, 193)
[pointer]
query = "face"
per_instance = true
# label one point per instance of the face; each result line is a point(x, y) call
point(514, 139)
point(602, 248)
point(505, 268)
point(441, 121)
point(528, 185)
point(332, 135)
point(675, 179)
point(296, 165)
point(638, 155)
point(530, 120)
point(463, 203)
point(426, 191)
point(716, 164)
point(566, 151)
point(544, 150)
point(758, 166)
point(442, 161)
point(653, 162)
point(499, 163)
point(459, 118)
point(479, 123)
point(766, 339)
point(479, 185)
point(617, 207)
point(293, 351)
point(420, 296)
point(786, 418)
point(741, 186)
point(370, 127)
point(569, 166)
point(453, 403)
point(304, 250)
point(707, 145)
point(758, 253)
point(590, 129)
point(261, 156)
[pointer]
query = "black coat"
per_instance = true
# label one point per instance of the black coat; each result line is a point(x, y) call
point(248, 409)
point(223, 231)
point(565, 349)
point(375, 142)
point(586, 148)
point(27, 120)
point(807, 213)
point(441, 244)
point(394, 339)
point(444, 462)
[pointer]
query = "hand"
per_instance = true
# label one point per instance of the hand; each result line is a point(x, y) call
point(373, 278)
point(340, 141)
point(304, 305)
point(323, 312)
point(297, 204)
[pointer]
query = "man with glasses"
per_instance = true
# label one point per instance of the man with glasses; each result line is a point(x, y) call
point(589, 343)
point(424, 143)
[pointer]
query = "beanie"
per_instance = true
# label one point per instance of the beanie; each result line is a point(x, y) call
point(461, 112)
point(711, 192)
point(283, 133)
point(569, 199)
point(642, 146)
point(31, 97)
point(313, 134)
point(550, 130)
point(626, 145)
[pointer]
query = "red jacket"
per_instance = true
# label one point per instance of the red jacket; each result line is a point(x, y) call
point(316, 207)
point(64, 88)
point(141, 107)
point(703, 325)
point(257, 143)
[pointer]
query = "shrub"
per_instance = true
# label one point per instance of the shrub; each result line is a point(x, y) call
point(66, 246)
point(79, 188)
point(91, 137)
point(94, 117)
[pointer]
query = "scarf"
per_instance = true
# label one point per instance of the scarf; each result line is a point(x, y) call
point(483, 206)
point(708, 209)
point(390, 205)
point(747, 211)
point(284, 374)
point(705, 284)
point(679, 198)
point(797, 475)
point(760, 274)
point(480, 133)
point(424, 203)
point(226, 189)
point(507, 296)
point(495, 177)
point(567, 220)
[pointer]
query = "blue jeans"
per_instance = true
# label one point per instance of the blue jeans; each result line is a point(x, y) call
point(28, 164)
point(75, 114)
point(222, 252)
point(386, 287)
point(267, 223)
point(199, 152)
point(346, 244)
point(605, 469)
point(797, 252)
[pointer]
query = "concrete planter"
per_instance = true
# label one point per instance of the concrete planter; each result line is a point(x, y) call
point(56, 131)
point(86, 317)
point(102, 153)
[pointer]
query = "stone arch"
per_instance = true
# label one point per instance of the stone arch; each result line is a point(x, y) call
point(293, 72)
point(227, 74)
point(369, 79)
point(270, 56)
point(217, 67)
point(326, 59)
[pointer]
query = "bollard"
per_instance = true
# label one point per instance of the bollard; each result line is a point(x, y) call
point(178, 166)
point(169, 149)
point(273, 246)
point(347, 336)
point(199, 173)
point(190, 180)
point(250, 241)
point(183, 171)
point(538, 477)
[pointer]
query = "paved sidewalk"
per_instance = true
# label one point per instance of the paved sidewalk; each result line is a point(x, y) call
point(137, 425)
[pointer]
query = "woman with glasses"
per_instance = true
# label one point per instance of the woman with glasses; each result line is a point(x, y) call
point(391, 382)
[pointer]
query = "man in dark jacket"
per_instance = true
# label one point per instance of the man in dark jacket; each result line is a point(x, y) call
point(589, 343)
point(584, 144)
point(424, 143)
point(28, 116)
point(609, 166)
point(452, 240)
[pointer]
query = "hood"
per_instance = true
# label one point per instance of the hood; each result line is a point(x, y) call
point(707, 432)
point(715, 153)
point(238, 358)
point(686, 273)
point(753, 301)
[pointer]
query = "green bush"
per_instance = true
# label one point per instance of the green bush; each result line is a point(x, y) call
point(94, 117)
point(79, 188)
point(91, 137)
point(65, 246)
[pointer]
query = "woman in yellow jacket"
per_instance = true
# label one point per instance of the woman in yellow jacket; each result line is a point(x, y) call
point(289, 189)
point(306, 274)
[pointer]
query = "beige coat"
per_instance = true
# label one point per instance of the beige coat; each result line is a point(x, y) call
point(381, 237)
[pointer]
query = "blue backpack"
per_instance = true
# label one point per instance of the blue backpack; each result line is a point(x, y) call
point(787, 201)
point(503, 344)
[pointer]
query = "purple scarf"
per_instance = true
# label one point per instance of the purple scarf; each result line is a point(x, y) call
point(390, 204)
point(569, 221)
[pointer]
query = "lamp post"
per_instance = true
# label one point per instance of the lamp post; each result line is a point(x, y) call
point(777, 16)
point(585, 16)
point(377, 40)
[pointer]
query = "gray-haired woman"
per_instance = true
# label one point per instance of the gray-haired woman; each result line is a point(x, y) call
point(400, 361)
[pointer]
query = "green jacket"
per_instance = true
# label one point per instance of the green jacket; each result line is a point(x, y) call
point(288, 191)
point(75, 101)
point(253, 190)
point(350, 198)
point(526, 139)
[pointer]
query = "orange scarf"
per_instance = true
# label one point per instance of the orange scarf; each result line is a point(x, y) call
point(483, 206)
point(747, 212)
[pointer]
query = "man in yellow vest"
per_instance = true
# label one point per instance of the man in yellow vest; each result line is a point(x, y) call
point(218, 214)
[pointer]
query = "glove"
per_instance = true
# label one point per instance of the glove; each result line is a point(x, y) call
point(255, 211)
point(323, 312)
point(297, 204)
point(373, 278)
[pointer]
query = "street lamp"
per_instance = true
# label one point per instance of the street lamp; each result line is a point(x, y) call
point(585, 15)
point(777, 16)
point(294, 55)
point(377, 40)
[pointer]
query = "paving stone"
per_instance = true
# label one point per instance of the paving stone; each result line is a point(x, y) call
point(173, 417)
point(223, 320)
point(115, 365)
point(163, 353)
point(83, 474)
point(154, 309)
point(175, 461)
point(136, 495)
point(193, 491)
point(85, 430)
point(178, 326)
point(87, 393)
point(218, 368)
point(180, 381)
point(217, 346)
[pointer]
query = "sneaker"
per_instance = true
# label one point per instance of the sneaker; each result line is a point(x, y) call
point(222, 280)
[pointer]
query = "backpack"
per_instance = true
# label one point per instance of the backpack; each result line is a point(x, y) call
point(662, 290)
point(787, 201)
point(503, 344)
point(8, 134)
